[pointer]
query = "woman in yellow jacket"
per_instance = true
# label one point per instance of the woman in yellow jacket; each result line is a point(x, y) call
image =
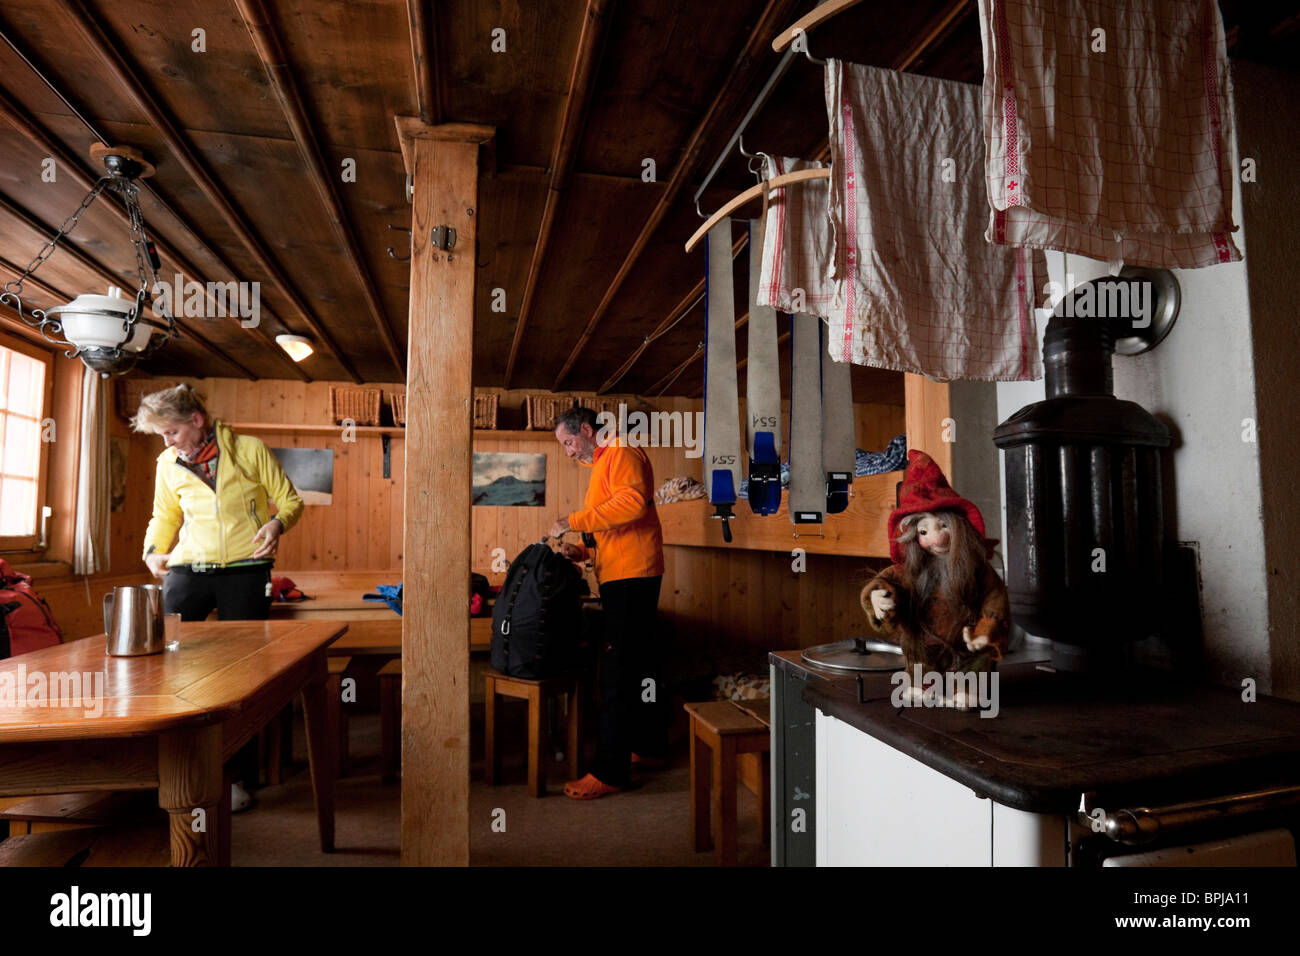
point(213, 487)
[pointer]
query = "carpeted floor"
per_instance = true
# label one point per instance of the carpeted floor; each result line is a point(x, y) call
point(646, 826)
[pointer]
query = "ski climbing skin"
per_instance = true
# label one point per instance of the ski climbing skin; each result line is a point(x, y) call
point(807, 497)
point(762, 390)
point(721, 396)
point(839, 449)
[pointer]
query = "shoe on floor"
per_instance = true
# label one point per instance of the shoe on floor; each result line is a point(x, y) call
point(588, 788)
point(240, 799)
point(649, 763)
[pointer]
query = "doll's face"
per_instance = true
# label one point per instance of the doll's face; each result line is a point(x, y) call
point(932, 534)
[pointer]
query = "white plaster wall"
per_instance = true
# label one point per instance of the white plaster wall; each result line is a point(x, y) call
point(1201, 382)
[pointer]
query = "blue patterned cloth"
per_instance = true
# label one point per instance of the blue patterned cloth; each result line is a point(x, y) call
point(390, 594)
point(893, 458)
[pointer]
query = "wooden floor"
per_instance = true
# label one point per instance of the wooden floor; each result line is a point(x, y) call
point(648, 826)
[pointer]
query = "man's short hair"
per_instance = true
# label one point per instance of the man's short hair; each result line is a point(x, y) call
point(574, 418)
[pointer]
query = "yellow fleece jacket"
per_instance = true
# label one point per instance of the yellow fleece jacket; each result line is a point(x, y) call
point(217, 527)
point(619, 511)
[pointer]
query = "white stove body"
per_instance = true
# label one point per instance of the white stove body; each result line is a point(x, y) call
point(876, 806)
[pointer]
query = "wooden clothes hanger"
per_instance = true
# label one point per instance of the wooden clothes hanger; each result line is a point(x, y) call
point(752, 193)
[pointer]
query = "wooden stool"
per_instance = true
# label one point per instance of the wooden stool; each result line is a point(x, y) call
point(727, 733)
point(338, 714)
point(538, 693)
point(390, 720)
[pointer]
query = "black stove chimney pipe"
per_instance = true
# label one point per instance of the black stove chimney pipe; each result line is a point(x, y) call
point(1085, 513)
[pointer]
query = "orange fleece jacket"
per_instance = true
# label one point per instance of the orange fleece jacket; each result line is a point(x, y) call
point(619, 511)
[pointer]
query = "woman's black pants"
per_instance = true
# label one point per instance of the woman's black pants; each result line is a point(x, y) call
point(236, 594)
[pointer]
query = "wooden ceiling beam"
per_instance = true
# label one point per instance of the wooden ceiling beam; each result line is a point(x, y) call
point(693, 357)
point(688, 302)
point(38, 135)
point(722, 108)
point(582, 79)
point(278, 69)
point(109, 52)
point(424, 58)
point(86, 262)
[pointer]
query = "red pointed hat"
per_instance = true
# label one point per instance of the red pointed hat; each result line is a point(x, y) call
point(925, 488)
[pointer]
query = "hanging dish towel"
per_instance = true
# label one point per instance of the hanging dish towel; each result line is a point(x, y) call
point(796, 242)
point(1108, 127)
point(917, 288)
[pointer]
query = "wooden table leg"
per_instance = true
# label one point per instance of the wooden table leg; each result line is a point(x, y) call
point(320, 753)
point(724, 801)
point(765, 797)
point(699, 792)
point(536, 731)
point(190, 778)
point(223, 810)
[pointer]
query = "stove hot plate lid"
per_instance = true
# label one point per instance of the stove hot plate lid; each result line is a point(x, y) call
point(856, 654)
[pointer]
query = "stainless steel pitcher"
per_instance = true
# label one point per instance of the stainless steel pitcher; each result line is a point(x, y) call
point(134, 622)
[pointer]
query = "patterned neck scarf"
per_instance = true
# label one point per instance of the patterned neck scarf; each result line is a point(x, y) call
point(204, 460)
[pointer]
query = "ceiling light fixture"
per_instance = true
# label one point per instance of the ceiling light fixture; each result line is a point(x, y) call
point(110, 333)
point(299, 347)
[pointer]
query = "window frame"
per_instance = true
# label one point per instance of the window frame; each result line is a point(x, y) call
point(29, 546)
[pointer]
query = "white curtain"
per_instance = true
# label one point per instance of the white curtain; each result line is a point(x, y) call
point(90, 543)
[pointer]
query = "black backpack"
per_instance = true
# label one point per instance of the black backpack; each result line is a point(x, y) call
point(537, 620)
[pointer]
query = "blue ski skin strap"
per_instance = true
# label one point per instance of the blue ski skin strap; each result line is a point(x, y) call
point(762, 389)
point(721, 396)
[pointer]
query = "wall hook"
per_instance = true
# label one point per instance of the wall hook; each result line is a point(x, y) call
point(394, 255)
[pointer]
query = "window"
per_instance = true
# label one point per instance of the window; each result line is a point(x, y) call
point(25, 386)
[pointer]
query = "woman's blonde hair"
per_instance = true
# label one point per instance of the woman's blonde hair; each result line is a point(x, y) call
point(169, 407)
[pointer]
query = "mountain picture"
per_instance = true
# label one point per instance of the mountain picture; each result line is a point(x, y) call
point(509, 479)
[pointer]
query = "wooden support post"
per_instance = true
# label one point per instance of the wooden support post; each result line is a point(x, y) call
point(927, 416)
point(443, 163)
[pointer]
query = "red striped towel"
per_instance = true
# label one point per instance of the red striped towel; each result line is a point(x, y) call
point(1108, 128)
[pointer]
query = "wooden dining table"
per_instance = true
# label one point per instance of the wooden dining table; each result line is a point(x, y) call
point(167, 721)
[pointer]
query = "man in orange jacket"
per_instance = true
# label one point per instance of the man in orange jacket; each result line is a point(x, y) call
point(620, 524)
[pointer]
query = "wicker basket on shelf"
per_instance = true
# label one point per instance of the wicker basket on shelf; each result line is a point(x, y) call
point(485, 409)
point(399, 408)
point(543, 410)
point(131, 390)
point(359, 404)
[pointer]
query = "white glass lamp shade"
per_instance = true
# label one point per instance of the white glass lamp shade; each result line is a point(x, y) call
point(86, 325)
point(298, 346)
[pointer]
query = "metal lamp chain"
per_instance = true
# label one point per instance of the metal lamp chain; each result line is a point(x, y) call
point(15, 286)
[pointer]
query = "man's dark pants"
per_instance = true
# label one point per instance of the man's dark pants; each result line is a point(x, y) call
point(633, 714)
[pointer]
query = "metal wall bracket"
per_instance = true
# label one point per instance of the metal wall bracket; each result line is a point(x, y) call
point(443, 237)
point(387, 442)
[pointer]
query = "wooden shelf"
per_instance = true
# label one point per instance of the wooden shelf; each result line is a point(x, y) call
point(396, 431)
point(860, 530)
point(508, 435)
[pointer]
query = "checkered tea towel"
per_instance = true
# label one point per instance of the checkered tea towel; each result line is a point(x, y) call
point(1108, 127)
point(917, 288)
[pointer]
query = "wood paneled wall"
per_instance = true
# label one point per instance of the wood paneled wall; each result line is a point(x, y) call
point(719, 602)
point(727, 606)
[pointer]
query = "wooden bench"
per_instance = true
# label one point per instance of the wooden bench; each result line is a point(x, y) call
point(142, 843)
point(67, 811)
point(539, 694)
point(723, 735)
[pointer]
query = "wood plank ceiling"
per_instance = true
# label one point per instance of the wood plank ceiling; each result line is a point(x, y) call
point(251, 136)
